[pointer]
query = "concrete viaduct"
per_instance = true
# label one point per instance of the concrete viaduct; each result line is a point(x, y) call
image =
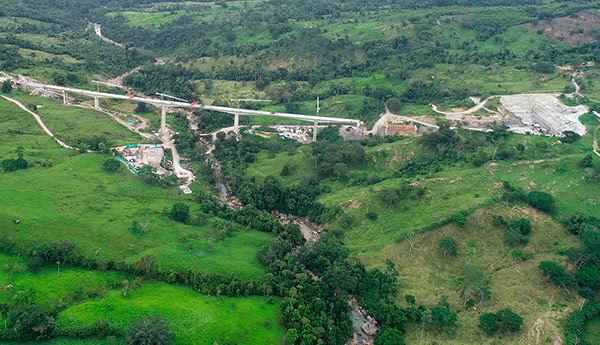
point(165, 104)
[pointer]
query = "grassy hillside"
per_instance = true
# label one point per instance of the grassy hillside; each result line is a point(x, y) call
point(484, 259)
point(84, 296)
point(65, 192)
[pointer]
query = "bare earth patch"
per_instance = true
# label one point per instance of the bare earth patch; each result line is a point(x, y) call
point(575, 29)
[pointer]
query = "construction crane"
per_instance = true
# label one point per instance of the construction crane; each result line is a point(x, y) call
point(169, 96)
point(236, 120)
point(103, 83)
point(163, 110)
point(97, 99)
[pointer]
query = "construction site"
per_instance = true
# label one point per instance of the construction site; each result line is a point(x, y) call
point(136, 156)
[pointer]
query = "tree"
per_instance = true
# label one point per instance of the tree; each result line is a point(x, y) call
point(541, 201)
point(6, 86)
point(488, 323)
point(9, 165)
point(180, 212)
point(449, 246)
point(443, 317)
point(570, 137)
point(556, 273)
point(389, 336)
point(509, 320)
point(589, 276)
point(111, 165)
point(340, 170)
point(30, 322)
point(150, 330)
point(21, 163)
point(141, 108)
point(586, 162)
point(523, 226)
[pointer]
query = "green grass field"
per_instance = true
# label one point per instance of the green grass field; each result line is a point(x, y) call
point(85, 296)
point(196, 319)
point(73, 198)
point(74, 124)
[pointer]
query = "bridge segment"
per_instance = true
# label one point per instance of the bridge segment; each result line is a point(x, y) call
point(163, 104)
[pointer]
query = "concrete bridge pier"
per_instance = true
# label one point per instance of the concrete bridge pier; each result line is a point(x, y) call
point(163, 119)
point(236, 125)
point(65, 101)
point(315, 132)
point(96, 103)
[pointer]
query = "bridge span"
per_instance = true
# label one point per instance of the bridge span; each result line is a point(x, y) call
point(165, 104)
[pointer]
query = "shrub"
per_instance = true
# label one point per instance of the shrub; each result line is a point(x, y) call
point(150, 330)
point(460, 218)
point(9, 165)
point(180, 212)
point(30, 322)
point(489, 323)
point(541, 201)
point(586, 162)
point(389, 336)
point(449, 246)
point(509, 320)
point(111, 165)
point(6, 86)
point(372, 215)
point(513, 238)
point(522, 225)
point(588, 276)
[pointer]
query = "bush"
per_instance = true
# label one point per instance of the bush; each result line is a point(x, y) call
point(522, 225)
point(570, 137)
point(513, 238)
point(9, 165)
point(586, 162)
point(372, 215)
point(449, 246)
point(389, 336)
point(180, 212)
point(30, 322)
point(489, 323)
point(588, 276)
point(509, 320)
point(6, 86)
point(111, 165)
point(150, 330)
point(541, 201)
point(460, 218)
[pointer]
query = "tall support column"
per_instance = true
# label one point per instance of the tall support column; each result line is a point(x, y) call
point(64, 96)
point(315, 132)
point(96, 103)
point(163, 119)
point(236, 125)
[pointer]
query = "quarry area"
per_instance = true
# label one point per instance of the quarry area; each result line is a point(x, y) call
point(543, 114)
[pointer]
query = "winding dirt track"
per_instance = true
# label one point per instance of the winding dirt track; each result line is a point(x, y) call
point(41, 123)
point(595, 145)
point(479, 106)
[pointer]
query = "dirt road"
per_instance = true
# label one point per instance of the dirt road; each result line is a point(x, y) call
point(595, 145)
point(41, 123)
point(479, 106)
